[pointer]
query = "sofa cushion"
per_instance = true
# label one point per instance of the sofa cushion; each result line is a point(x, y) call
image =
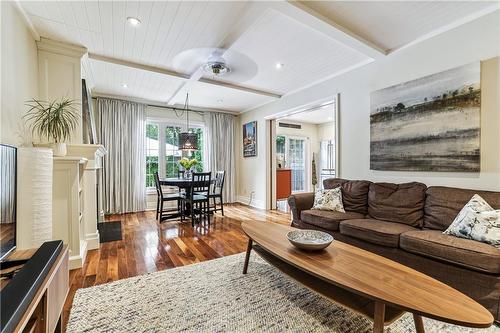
point(442, 204)
point(354, 193)
point(464, 252)
point(375, 231)
point(328, 220)
point(402, 203)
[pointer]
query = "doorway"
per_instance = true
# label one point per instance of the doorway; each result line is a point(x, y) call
point(304, 150)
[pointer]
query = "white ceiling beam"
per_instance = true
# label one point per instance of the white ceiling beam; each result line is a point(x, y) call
point(181, 76)
point(322, 24)
point(136, 65)
point(241, 88)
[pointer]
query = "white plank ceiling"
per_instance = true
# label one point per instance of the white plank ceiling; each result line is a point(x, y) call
point(392, 24)
point(261, 31)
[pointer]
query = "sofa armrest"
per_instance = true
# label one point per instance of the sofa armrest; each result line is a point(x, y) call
point(300, 202)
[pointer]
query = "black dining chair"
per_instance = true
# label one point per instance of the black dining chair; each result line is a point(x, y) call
point(216, 191)
point(164, 197)
point(197, 197)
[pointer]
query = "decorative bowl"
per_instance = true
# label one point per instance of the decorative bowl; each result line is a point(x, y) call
point(309, 239)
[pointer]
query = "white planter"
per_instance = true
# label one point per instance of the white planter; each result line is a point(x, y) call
point(58, 149)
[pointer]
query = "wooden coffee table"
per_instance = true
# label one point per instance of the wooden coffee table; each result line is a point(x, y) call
point(369, 284)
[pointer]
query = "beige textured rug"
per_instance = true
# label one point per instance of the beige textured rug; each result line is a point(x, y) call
point(214, 296)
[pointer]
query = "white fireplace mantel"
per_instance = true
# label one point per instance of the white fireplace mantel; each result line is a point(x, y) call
point(91, 181)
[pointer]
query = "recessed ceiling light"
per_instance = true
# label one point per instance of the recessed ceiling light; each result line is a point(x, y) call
point(124, 85)
point(133, 21)
point(279, 65)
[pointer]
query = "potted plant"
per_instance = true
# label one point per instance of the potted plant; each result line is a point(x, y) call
point(55, 121)
point(187, 164)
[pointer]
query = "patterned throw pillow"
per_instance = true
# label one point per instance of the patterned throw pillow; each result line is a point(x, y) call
point(329, 200)
point(477, 221)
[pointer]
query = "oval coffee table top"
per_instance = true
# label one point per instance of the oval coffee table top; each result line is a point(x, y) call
point(373, 276)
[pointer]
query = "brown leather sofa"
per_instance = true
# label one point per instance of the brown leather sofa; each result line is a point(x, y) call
point(405, 222)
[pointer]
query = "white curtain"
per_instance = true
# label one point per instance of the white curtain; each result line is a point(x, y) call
point(121, 129)
point(220, 149)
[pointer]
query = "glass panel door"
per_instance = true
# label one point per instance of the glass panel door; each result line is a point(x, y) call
point(297, 163)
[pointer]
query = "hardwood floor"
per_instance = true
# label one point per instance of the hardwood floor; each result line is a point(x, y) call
point(148, 246)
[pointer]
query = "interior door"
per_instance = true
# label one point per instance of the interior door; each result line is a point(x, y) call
point(296, 151)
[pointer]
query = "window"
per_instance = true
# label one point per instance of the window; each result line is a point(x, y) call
point(152, 153)
point(162, 153)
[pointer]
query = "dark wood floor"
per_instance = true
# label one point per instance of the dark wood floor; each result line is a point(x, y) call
point(148, 246)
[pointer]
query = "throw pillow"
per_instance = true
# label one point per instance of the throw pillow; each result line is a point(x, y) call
point(477, 221)
point(329, 200)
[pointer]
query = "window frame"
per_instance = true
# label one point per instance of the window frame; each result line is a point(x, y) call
point(162, 125)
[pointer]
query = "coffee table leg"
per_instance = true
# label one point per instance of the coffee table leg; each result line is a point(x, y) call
point(378, 317)
point(247, 256)
point(419, 323)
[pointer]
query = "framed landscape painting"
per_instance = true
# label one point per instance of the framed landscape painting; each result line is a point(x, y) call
point(428, 124)
point(250, 139)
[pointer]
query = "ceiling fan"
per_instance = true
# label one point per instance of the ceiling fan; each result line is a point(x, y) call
point(216, 63)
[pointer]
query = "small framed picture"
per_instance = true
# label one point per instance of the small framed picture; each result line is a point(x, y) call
point(250, 139)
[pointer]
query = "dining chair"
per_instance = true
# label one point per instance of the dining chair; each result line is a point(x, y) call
point(216, 191)
point(197, 196)
point(164, 197)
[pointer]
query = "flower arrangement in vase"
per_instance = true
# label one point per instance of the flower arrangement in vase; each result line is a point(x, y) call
point(188, 164)
point(54, 121)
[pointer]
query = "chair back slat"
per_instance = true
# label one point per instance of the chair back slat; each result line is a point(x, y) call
point(219, 182)
point(201, 182)
point(157, 184)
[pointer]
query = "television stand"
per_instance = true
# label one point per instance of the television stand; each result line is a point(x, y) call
point(33, 299)
point(12, 263)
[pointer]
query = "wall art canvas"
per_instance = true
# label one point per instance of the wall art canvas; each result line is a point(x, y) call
point(250, 139)
point(428, 124)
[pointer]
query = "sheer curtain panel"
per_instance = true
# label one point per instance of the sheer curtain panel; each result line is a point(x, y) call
point(220, 149)
point(121, 129)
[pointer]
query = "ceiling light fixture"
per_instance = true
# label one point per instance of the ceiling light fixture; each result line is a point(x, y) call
point(279, 65)
point(133, 21)
point(216, 65)
point(220, 100)
point(124, 85)
point(188, 141)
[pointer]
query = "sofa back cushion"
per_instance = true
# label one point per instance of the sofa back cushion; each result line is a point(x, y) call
point(354, 193)
point(443, 204)
point(401, 203)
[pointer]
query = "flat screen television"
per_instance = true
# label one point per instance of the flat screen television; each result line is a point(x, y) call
point(8, 185)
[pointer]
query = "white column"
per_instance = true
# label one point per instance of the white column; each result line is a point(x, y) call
point(59, 75)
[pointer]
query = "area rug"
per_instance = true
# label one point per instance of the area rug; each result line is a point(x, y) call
point(110, 231)
point(214, 296)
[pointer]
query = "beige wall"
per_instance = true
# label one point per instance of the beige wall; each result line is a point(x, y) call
point(477, 40)
point(19, 74)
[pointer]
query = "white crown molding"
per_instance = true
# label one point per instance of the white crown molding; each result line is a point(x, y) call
point(52, 46)
point(31, 27)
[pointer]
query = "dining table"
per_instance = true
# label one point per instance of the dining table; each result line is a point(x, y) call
point(181, 183)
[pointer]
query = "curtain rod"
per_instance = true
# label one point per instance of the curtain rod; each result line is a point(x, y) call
point(167, 107)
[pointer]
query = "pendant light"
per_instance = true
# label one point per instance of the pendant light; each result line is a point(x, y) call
point(188, 141)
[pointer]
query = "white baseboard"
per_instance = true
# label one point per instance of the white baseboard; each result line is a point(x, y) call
point(92, 241)
point(255, 203)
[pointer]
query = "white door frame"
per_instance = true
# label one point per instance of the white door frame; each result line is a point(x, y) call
point(271, 142)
